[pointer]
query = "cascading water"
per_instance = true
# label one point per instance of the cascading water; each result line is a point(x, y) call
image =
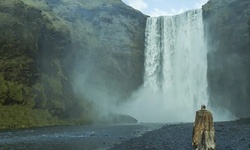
point(176, 60)
point(175, 81)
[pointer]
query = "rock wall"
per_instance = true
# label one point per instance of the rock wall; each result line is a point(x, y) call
point(108, 38)
point(53, 53)
point(227, 31)
point(107, 61)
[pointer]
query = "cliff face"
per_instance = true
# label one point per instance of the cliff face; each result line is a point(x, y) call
point(54, 53)
point(227, 29)
point(108, 38)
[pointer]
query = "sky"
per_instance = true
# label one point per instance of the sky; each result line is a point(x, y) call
point(156, 8)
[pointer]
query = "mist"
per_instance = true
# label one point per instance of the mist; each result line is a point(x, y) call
point(175, 71)
point(95, 90)
point(152, 106)
point(175, 77)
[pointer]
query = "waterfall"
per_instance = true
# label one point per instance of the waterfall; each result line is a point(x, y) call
point(175, 77)
point(176, 61)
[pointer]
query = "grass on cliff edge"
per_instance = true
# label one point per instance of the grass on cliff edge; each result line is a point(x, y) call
point(23, 117)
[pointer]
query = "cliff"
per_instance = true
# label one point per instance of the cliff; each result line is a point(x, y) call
point(228, 34)
point(57, 58)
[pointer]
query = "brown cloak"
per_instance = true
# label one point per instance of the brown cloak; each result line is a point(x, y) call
point(203, 131)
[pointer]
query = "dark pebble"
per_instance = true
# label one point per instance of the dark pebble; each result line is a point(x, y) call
point(229, 136)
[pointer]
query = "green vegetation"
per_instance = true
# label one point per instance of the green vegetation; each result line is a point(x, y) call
point(19, 116)
point(27, 97)
point(39, 47)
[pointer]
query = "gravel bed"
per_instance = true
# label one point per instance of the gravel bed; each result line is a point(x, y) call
point(234, 135)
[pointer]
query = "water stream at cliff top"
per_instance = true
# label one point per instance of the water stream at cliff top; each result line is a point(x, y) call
point(175, 77)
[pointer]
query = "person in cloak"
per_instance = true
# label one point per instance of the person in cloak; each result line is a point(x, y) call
point(203, 130)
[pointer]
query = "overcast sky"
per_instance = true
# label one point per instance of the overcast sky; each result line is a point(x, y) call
point(164, 7)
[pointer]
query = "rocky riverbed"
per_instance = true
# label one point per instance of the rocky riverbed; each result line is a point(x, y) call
point(86, 137)
point(234, 135)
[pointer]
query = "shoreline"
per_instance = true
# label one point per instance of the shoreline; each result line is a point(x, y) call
point(138, 136)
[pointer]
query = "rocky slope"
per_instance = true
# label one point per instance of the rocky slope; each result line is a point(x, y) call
point(57, 56)
point(228, 33)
